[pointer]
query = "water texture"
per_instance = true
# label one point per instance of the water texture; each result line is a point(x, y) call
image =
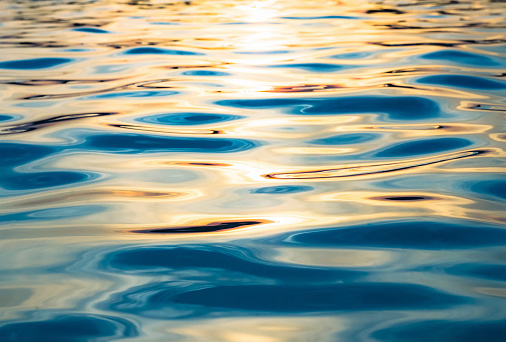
point(252, 170)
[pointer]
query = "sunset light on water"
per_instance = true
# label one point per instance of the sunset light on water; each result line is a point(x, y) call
point(265, 171)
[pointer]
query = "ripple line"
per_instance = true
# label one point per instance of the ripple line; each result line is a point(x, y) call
point(31, 126)
point(207, 228)
point(363, 170)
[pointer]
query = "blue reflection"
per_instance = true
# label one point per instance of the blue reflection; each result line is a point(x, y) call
point(39, 180)
point(5, 117)
point(160, 51)
point(69, 328)
point(462, 81)
point(353, 55)
point(319, 298)
point(488, 187)
point(227, 259)
point(460, 57)
point(424, 146)
point(134, 94)
point(140, 143)
point(227, 279)
point(90, 30)
point(205, 73)
point(347, 139)
point(15, 154)
point(480, 271)
point(36, 63)
point(444, 331)
point(395, 107)
point(52, 213)
point(282, 189)
point(167, 300)
point(409, 234)
point(187, 119)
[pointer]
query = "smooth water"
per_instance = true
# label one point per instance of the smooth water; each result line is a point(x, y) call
point(241, 170)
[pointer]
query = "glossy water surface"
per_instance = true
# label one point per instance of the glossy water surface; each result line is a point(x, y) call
point(252, 170)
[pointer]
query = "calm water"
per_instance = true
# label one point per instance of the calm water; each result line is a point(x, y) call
point(240, 170)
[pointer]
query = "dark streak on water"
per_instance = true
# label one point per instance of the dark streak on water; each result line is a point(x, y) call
point(210, 227)
point(252, 171)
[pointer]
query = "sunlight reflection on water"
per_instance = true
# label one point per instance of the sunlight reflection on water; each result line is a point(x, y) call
point(252, 170)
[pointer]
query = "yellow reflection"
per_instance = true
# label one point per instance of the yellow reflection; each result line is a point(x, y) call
point(102, 194)
point(397, 204)
point(313, 150)
point(271, 329)
point(420, 130)
point(256, 11)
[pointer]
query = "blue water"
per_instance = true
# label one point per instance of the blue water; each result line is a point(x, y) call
point(252, 170)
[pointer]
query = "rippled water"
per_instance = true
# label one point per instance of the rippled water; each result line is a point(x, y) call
point(252, 171)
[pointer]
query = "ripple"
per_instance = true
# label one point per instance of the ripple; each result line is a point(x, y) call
point(495, 188)
point(31, 126)
point(252, 171)
point(460, 57)
point(132, 94)
point(137, 143)
point(282, 189)
point(51, 214)
point(72, 327)
point(4, 117)
point(14, 154)
point(40, 180)
point(160, 51)
point(423, 146)
point(207, 228)
point(226, 258)
point(410, 234)
point(270, 299)
point(347, 139)
point(90, 30)
point(396, 108)
point(205, 73)
point(403, 198)
point(36, 63)
point(187, 119)
point(166, 130)
point(462, 81)
point(444, 331)
point(373, 169)
point(480, 271)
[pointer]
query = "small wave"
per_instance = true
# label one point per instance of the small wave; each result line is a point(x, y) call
point(368, 169)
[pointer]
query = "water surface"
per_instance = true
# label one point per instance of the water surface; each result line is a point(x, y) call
point(265, 170)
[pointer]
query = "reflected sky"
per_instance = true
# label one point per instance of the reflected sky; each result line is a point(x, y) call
point(252, 170)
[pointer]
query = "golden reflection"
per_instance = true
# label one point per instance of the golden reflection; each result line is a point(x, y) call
point(145, 128)
point(100, 195)
point(420, 130)
point(205, 227)
point(373, 170)
point(220, 50)
point(257, 10)
point(313, 150)
point(262, 329)
point(419, 200)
